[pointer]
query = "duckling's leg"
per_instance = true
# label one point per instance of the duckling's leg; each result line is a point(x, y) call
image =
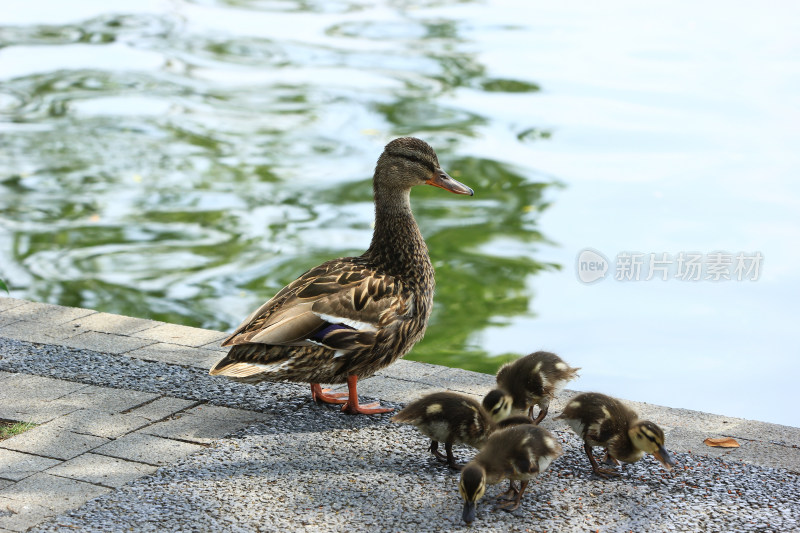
point(608, 460)
point(435, 451)
point(511, 493)
point(544, 405)
point(352, 407)
point(451, 460)
point(602, 472)
point(513, 504)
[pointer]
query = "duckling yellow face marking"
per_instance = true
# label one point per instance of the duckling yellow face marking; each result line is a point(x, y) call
point(606, 413)
point(574, 405)
point(561, 366)
point(498, 404)
point(434, 408)
point(473, 483)
point(538, 367)
point(649, 438)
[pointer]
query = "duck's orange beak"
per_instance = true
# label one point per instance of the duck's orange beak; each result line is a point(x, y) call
point(442, 179)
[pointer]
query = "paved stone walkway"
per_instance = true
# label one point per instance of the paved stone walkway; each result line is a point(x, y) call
point(91, 440)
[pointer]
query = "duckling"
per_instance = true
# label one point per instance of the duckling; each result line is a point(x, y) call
point(531, 380)
point(601, 420)
point(455, 418)
point(516, 453)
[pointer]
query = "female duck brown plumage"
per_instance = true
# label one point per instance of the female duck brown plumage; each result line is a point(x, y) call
point(352, 316)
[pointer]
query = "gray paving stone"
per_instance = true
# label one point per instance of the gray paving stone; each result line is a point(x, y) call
point(58, 494)
point(456, 379)
point(20, 515)
point(184, 335)
point(162, 408)
point(105, 398)
point(32, 331)
point(148, 449)
point(177, 354)
point(49, 314)
point(16, 465)
point(4, 375)
point(102, 469)
point(226, 413)
point(7, 303)
point(215, 346)
point(115, 324)
point(194, 428)
point(409, 370)
point(38, 388)
point(6, 321)
point(31, 398)
point(5, 483)
point(51, 441)
point(99, 423)
point(34, 411)
point(105, 342)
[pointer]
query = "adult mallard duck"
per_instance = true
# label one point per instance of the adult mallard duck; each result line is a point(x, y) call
point(352, 316)
point(454, 418)
point(516, 453)
point(531, 380)
point(601, 420)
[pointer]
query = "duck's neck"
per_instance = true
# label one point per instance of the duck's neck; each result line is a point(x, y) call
point(397, 244)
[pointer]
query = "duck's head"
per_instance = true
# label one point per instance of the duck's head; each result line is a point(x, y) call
point(472, 487)
point(649, 438)
point(498, 404)
point(408, 161)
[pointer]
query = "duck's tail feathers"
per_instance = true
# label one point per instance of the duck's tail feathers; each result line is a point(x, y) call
point(234, 365)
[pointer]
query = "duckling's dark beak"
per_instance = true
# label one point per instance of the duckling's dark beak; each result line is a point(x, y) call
point(442, 179)
point(469, 512)
point(664, 458)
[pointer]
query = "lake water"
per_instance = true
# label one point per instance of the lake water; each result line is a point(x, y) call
point(182, 161)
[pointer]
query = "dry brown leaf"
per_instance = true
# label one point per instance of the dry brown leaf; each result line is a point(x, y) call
point(722, 442)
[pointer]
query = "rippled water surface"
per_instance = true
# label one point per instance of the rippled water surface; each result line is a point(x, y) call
point(182, 161)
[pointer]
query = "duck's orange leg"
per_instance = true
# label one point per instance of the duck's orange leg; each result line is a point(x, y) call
point(318, 394)
point(352, 407)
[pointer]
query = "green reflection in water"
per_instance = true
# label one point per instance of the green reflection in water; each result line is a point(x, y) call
point(176, 191)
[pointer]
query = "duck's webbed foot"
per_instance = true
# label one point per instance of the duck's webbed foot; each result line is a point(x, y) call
point(448, 458)
point(511, 505)
point(544, 406)
point(451, 459)
point(318, 394)
point(608, 460)
point(352, 407)
point(604, 473)
point(510, 494)
point(435, 451)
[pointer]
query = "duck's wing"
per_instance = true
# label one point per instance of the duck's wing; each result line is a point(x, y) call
point(339, 306)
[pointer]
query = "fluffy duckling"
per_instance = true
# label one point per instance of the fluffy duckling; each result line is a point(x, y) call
point(516, 453)
point(454, 418)
point(601, 420)
point(531, 380)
